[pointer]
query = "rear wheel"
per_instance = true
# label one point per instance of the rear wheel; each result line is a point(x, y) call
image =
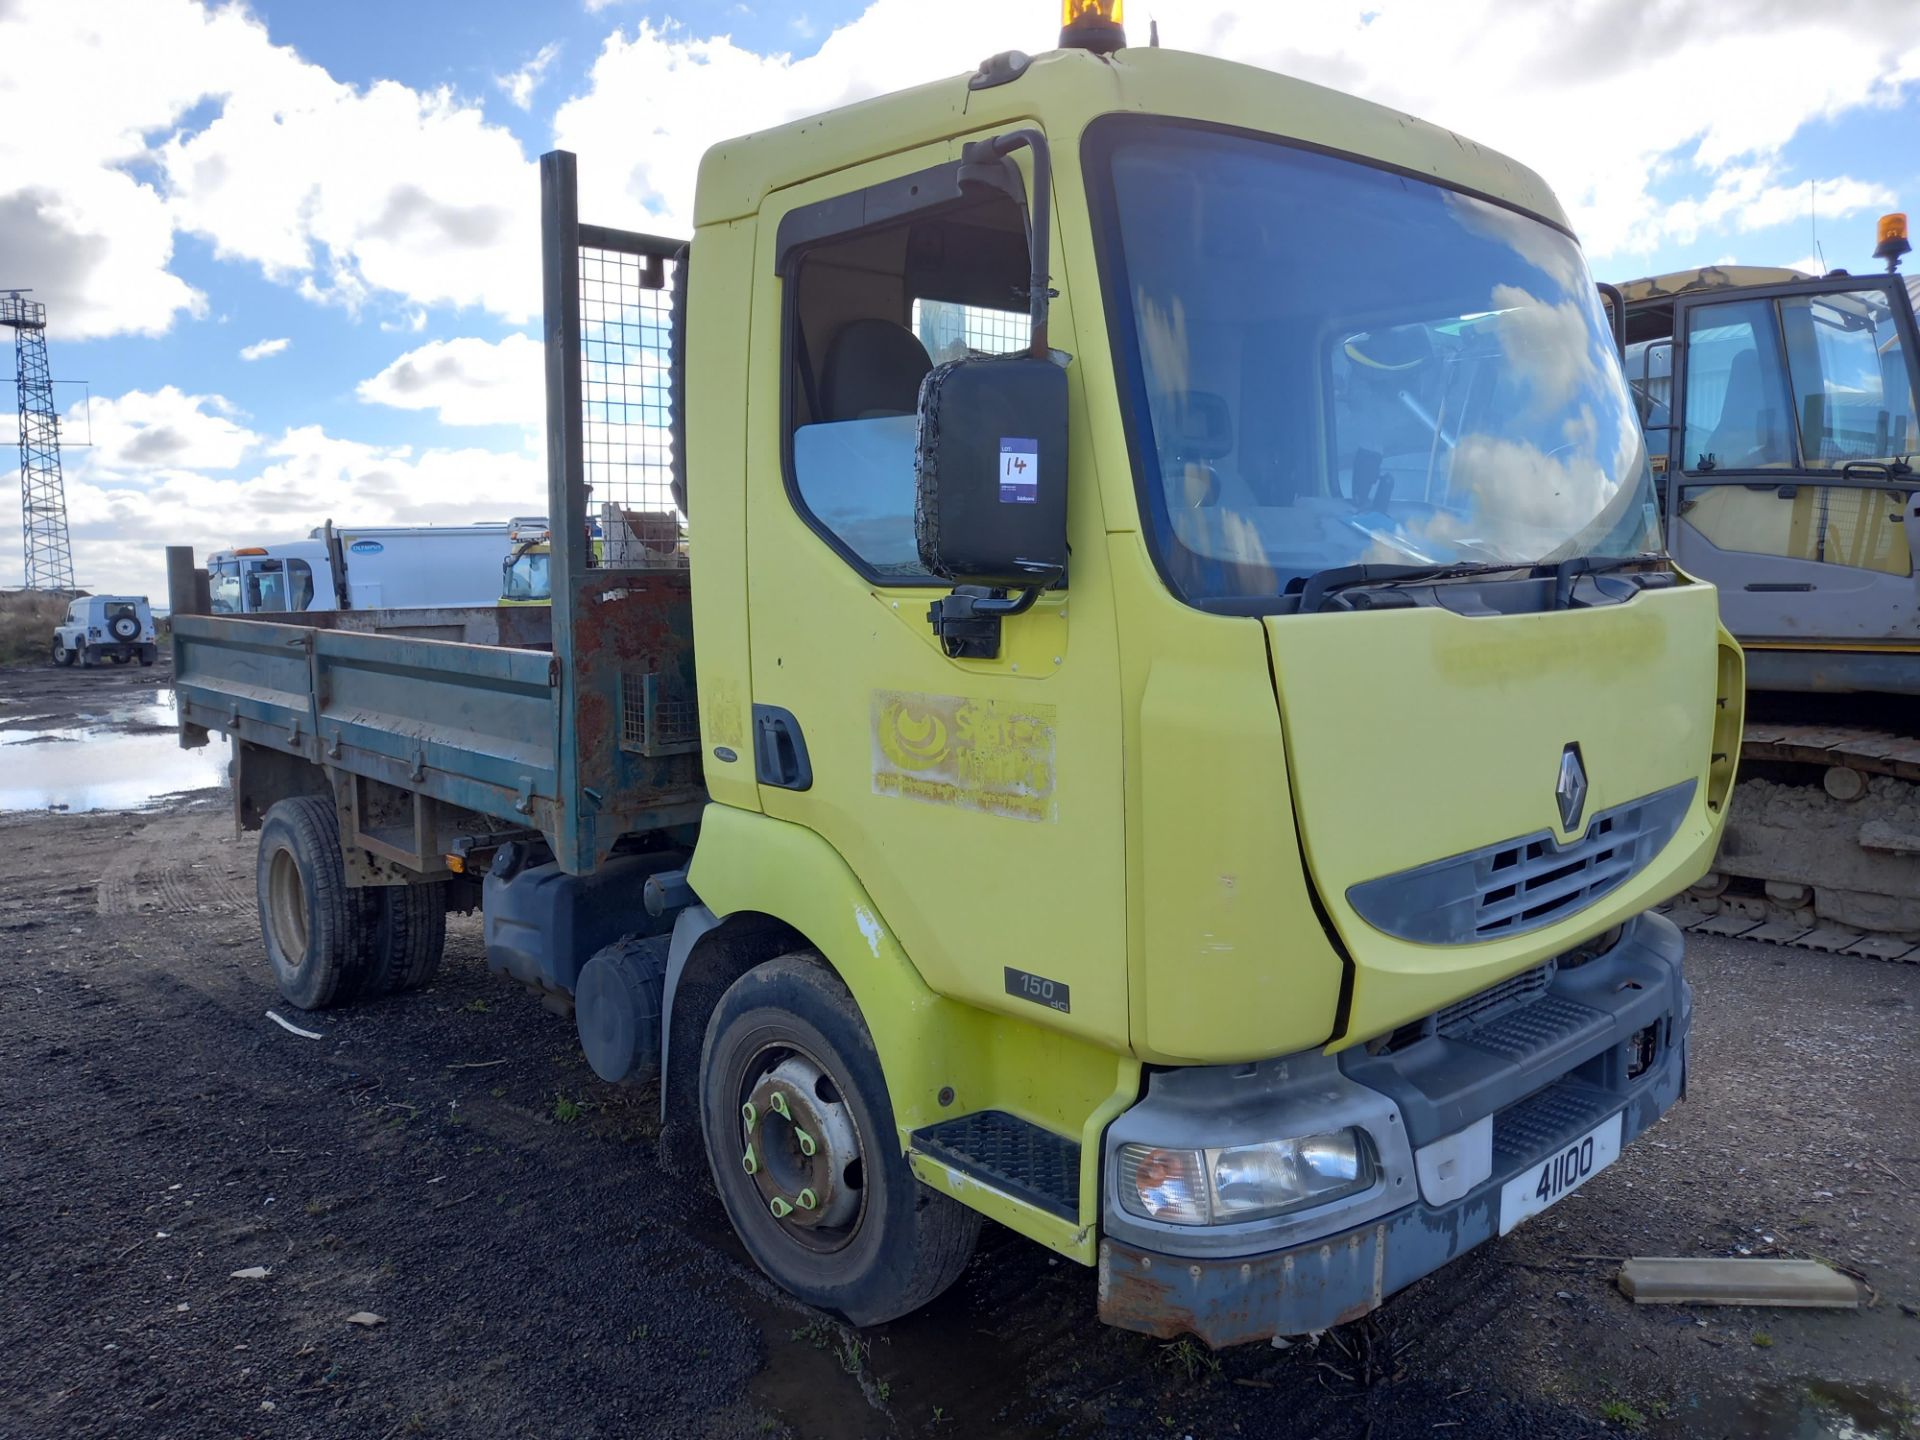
point(410, 934)
point(801, 1137)
point(319, 933)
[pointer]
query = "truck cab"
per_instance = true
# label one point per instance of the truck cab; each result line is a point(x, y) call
point(1166, 726)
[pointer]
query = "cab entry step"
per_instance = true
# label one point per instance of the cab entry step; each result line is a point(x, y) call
point(1009, 1154)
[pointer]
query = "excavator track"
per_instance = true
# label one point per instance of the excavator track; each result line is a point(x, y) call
point(1824, 803)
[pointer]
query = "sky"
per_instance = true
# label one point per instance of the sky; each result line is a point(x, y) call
point(289, 250)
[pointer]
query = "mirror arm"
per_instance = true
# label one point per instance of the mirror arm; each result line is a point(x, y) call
point(978, 152)
point(967, 622)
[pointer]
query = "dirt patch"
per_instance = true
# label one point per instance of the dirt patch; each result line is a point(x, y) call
point(446, 1161)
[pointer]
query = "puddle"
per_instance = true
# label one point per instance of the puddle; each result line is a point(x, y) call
point(1809, 1410)
point(119, 758)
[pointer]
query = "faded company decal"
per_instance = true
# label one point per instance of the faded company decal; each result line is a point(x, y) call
point(954, 750)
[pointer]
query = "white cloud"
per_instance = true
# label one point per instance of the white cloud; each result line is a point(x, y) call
point(261, 349)
point(467, 381)
point(344, 192)
point(1603, 102)
point(520, 85)
point(388, 193)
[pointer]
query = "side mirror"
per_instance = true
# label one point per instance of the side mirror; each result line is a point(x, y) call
point(990, 503)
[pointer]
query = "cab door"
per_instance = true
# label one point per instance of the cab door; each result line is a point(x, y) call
point(978, 800)
point(1788, 471)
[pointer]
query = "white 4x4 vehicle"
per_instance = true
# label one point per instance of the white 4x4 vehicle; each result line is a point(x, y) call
point(106, 627)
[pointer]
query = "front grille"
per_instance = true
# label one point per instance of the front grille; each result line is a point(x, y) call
point(1514, 886)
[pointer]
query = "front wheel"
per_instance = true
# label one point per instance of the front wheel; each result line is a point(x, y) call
point(61, 654)
point(805, 1154)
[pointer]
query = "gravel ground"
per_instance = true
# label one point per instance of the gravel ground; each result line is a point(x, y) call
point(445, 1161)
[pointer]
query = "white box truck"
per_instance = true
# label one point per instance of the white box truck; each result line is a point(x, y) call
point(366, 567)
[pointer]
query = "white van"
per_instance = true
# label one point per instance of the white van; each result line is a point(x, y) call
point(365, 567)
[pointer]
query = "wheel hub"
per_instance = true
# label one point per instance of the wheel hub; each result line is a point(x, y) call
point(799, 1144)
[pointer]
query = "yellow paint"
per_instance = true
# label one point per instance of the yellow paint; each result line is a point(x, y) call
point(1448, 737)
point(1021, 1064)
point(1185, 798)
point(973, 754)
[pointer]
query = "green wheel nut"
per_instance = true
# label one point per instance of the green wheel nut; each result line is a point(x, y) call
point(748, 1162)
point(807, 1147)
point(777, 1102)
point(781, 1209)
point(806, 1199)
point(749, 1114)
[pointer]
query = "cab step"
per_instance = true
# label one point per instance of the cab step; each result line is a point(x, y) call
point(1009, 1154)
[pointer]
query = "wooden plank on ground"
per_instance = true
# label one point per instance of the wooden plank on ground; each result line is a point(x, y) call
point(1680, 1280)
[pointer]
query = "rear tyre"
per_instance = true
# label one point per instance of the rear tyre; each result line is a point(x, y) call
point(149, 654)
point(410, 935)
point(801, 1137)
point(61, 654)
point(319, 933)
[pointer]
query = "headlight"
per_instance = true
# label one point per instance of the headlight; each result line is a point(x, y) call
point(1243, 1182)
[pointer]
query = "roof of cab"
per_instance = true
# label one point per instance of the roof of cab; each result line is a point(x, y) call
point(1067, 89)
point(1706, 277)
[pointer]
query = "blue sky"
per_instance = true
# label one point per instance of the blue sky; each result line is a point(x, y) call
point(355, 179)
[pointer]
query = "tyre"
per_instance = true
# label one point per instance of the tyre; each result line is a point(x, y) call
point(89, 657)
point(319, 934)
point(61, 654)
point(121, 657)
point(149, 654)
point(800, 1134)
point(123, 628)
point(409, 936)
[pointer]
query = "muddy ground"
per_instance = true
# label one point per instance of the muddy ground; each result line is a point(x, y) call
point(446, 1162)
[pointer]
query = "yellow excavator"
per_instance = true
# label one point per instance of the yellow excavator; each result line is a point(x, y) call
point(1780, 411)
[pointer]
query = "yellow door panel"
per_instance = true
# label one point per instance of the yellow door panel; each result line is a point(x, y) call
point(978, 801)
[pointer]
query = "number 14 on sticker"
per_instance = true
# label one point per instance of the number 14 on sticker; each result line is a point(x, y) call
point(1019, 470)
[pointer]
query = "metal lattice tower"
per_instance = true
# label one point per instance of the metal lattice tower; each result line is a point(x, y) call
point(43, 491)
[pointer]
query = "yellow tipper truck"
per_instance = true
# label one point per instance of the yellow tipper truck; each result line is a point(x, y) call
point(1163, 730)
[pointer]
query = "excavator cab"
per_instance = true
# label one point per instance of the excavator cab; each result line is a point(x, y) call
point(1790, 437)
point(1780, 411)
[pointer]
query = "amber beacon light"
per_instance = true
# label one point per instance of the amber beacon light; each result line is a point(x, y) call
point(1892, 236)
point(1091, 25)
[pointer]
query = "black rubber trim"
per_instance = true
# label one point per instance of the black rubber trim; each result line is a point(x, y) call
point(1011, 1155)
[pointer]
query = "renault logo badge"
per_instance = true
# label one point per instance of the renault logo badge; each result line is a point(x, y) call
point(1570, 790)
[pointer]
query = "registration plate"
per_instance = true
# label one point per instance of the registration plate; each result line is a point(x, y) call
point(1560, 1174)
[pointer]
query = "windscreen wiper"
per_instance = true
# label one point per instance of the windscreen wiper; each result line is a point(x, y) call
point(1321, 586)
point(1565, 572)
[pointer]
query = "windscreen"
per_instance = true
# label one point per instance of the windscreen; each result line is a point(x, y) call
point(223, 586)
point(1332, 364)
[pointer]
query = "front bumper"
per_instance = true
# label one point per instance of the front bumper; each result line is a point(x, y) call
point(1543, 1072)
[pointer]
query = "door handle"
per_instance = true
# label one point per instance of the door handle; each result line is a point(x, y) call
point(780, 750)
